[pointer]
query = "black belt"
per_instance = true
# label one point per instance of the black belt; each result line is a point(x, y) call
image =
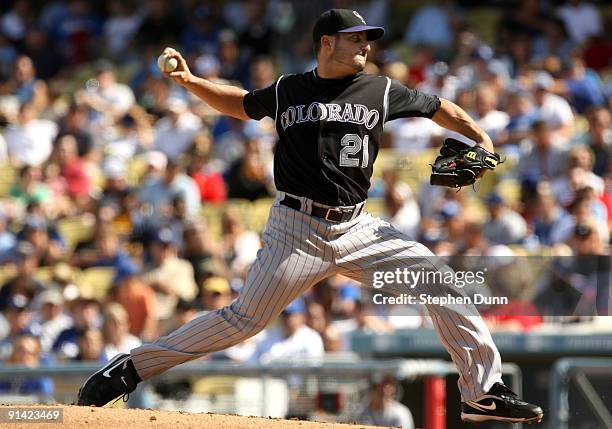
point(334, 214)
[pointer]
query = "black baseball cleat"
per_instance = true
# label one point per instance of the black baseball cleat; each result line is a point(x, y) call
point(500, 404)
point(117, 378)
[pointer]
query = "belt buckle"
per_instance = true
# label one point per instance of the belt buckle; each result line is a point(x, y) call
point(332, 210)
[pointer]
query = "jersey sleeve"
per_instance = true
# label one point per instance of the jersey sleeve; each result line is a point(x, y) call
point(406, 102)
point(261, 102)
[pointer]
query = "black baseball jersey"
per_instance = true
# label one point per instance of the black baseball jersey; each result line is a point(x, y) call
point(330, 130)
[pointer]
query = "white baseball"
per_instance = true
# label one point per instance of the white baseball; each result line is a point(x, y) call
point(167, 64)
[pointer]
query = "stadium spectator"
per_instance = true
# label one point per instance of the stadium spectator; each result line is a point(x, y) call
point(175, 131)
point(240, 245)
point(139, 300)
point(247, 177)
point(159, 192)
point(91, 345)
point(401, 209)
point(200, 249)
point(451, 217)
point(521, 118)
point(116, 332)
point(76, 122)
point(553, 42)
point(552, 109)
point(50, 316)
point(510, 276)
point(30, 187)
point(474, 242)
point(256, 37)
point(582, 20)
point(7, 238)
point(25, 80)
point(293, 339)
point(45, 56)
point(109, 98)
point(504, 226)
point(44, 238)
point(171, 277)
point(317, 319)
point(490, 119)
point(204, 169)
point(361, 319)
point(27, 352)
point(439, 15)
point(585, 209)
point(115, 189)
point(73, 169)
point(24, 282)
point(29, 140)
point(160, 26)
point(18, 314)
point(599, 139)
point(583, 87)
point(85, 315)
point(107, 252)
point(216, 293)
point(541, 157)
point(549, 216)
point(76, 28)
point(382, 407)
point(578, 175)
point(120, 27)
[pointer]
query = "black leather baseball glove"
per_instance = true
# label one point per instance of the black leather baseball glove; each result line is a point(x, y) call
point(460, 164)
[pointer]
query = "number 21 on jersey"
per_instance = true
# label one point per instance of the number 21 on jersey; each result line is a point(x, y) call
point(351, 145)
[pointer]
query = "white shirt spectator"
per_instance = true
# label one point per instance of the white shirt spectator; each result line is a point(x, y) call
point(158, 194)
point(128, 343)
point(245, 248)
point(50, 330)
point(582, 21)
point(494, 122)
point(408, 217)
point(394, 415)
point(563, 191)
point(174, 138)
point(118, 30)
point(304, 343)
point(31, 143)
point(555, 111)
point(564, 231)
point(508, 228)
point(120, 96)
point(550, 165)
point(412, 134)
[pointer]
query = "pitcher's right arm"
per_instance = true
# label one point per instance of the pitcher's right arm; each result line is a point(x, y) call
point(227, 99)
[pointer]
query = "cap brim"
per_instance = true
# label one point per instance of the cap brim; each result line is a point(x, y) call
point(374, 33)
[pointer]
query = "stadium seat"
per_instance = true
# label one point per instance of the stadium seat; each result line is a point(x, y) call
point(75, 229)
point(95, 282)
point(44, 274)
point(8, 175)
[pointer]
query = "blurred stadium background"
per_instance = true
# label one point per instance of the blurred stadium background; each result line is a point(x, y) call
point(127, 206)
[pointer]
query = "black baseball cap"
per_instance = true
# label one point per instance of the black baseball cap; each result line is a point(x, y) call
point(343, 21)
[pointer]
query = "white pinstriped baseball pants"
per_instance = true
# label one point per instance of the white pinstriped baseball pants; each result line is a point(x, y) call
point(300, 250)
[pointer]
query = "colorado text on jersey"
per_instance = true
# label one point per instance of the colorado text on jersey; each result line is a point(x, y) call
point(353, 113)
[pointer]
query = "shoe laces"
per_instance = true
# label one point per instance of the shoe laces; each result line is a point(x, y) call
point(509, 395)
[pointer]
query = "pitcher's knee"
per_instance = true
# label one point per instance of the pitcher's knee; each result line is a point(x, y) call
point(246, 325)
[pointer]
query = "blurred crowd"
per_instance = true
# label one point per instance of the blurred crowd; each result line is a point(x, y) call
point(96, 135)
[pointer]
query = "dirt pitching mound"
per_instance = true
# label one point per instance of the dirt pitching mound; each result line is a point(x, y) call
point(113, 418)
